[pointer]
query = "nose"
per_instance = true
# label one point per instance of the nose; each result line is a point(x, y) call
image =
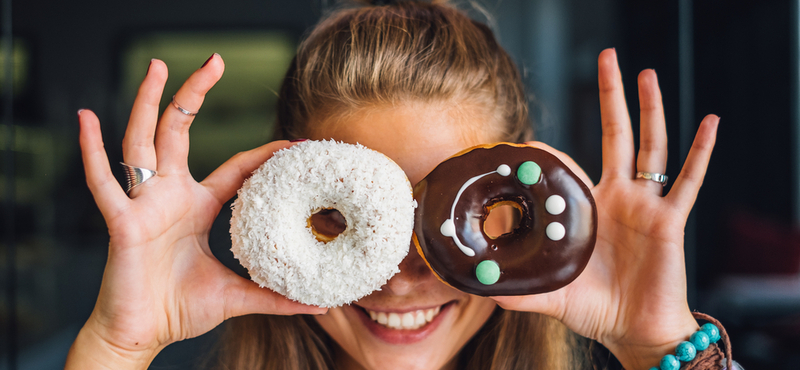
point(414, 273)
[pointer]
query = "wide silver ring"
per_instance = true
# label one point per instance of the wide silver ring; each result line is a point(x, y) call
point(136, 175)
point(182, 109)
point(657, 177)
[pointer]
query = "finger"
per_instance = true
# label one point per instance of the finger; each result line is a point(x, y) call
point(545, 304)
point(571, 164)
point(687, 185)
point(244, 297)
point(172, 133)
point(107, 192)
point(653, 130)
point(617, 134)
point(137, 146)
point(225, 180)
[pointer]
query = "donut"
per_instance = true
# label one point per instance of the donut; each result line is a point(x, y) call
point(283, 233)
point(549, 247)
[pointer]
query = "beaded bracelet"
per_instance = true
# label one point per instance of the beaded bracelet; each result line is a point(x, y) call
point(687, 350)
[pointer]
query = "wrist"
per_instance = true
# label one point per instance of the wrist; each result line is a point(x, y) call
point(645, 354)
point(645, 357)
point(93, 350)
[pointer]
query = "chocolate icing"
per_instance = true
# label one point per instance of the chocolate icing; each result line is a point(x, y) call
point(530, 263)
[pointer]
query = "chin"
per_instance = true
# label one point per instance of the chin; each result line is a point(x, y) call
point(376, 333)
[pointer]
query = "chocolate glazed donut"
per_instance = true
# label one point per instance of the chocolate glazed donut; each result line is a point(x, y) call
point(547, 250)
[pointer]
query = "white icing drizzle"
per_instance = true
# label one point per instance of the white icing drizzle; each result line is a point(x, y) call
point(448, 227)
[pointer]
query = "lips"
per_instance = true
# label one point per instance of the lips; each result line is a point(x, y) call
point(402, 327)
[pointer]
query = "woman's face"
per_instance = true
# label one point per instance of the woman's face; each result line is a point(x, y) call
point(414, 321)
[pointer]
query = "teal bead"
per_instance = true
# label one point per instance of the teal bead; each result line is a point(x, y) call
point(654, 368)
point(488, 272)
point(529, 173)
point(685, 351)
point(670, 362)
point(700, 340)
point(712, 331)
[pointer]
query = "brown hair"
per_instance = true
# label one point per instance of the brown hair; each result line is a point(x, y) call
point(428, 52)
point(273, 342)
point(367, 56)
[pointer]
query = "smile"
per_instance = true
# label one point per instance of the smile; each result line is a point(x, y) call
point(404, 320)
point(403, 326)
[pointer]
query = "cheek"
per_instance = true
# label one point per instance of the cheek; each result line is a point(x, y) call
point(471, 317)
point(479, 312)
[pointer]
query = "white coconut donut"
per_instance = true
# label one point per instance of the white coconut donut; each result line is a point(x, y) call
point(271, 232)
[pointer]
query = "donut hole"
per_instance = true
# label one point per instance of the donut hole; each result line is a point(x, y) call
point(326, 224)
point(503, 218)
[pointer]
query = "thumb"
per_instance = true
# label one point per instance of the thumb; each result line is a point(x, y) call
point(545, 304)
point(244, 297)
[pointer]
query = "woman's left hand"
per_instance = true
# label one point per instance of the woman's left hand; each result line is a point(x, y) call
point(632, 295)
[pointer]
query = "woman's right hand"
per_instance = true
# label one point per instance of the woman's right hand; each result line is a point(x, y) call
point(161, 282)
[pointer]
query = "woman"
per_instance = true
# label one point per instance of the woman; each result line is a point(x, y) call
point(417, 82)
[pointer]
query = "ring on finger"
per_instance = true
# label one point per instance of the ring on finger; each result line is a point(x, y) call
point(182, 109)
point(136, 175)
point(657, 177)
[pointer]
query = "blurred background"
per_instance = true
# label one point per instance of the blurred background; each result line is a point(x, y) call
point(733, 58)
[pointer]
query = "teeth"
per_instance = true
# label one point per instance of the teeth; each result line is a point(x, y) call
point(394, 321)
point(408, 320)
point(430, 314)
point(405, 321)
point(419, 319)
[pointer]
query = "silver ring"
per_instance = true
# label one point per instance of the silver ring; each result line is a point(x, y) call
point(136, 175)
point(657, 177)
point(182, 109)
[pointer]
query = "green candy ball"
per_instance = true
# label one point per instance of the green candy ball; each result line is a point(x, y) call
point(529, 173)
point(488, 272)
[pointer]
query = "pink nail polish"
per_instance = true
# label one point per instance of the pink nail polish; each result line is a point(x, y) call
point(297, 140)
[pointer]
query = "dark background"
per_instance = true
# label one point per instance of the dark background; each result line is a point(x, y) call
point(736, 59)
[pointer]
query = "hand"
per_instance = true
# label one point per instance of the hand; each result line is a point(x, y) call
point(632, 295)
point(161, 283)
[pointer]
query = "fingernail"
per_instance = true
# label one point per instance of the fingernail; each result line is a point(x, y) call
point(148, 67)
point(297, 140)
point(209, 59)
point(79, 111)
